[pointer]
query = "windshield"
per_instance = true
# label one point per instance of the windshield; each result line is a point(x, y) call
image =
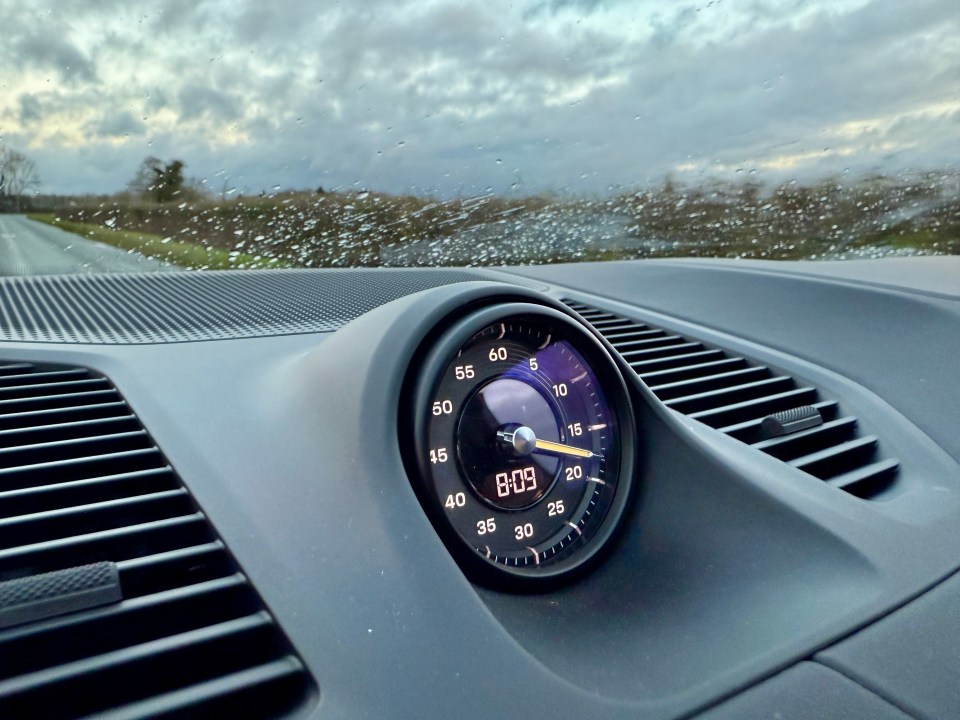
point(214, 134)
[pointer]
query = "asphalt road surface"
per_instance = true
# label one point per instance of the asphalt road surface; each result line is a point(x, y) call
point(28, 247)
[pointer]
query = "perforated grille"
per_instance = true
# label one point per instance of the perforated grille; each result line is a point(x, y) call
point(187, 306)
point(82, 482)
point(734, 394)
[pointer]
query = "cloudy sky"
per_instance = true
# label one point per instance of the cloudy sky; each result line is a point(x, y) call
point(458, 97)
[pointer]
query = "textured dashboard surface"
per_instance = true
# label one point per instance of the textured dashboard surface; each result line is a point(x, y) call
point(733, 572)
point(182, 307)
point(911, 656)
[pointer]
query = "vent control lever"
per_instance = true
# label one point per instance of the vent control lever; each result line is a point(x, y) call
point(790, 421)
point(46, 595)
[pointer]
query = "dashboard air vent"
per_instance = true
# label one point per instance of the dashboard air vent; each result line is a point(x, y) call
point(82, 485)
point(734, 395)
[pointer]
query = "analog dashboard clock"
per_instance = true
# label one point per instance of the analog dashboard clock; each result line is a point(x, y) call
point(523, 443)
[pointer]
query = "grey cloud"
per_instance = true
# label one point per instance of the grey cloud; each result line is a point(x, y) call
point(59, 56)
point(197, 101)
point(155, 99)
point(668, 30)
point(463, 85)
point(554, 6)
point(165, 20)
point(118, 124)
point(31, 109)
point(259, 22)
point(37, 38)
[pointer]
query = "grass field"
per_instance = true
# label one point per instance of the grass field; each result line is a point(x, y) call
point(870, 218)
point(183, 254)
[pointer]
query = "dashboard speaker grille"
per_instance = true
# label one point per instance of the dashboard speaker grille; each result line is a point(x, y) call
point(82, 482)
point(734, 394)
point(190, 306)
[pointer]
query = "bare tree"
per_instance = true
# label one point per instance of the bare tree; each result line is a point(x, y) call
point(18, 175)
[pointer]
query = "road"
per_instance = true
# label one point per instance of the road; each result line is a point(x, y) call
point(28, 247)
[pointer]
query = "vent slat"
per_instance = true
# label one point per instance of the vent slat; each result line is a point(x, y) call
point(56, 432)
point(131, 621)
point(40, 377)
point(14, 368)
point(748, 431)
point(678, 349)
point(684, 388)
point(176, 568)
point(867, 481)
point(72, 680)
point(53, 388)
point(114, 544)
point(223, 697)
point(838, 459)
point(734, 395)
point(664, 340)
point(635, 331)
point(691, 372)
point(149, 562)
point(36, 418)
point(757, 408)
point(804, 442)
point(642, 367)
point(75, 448)
point(60, 401)
point(725, 396)
point(610, 323)
point(64, 522)
point(617, 326)
point(81, 468)
point(81, 482)
point(588, 311)
point(68, 494)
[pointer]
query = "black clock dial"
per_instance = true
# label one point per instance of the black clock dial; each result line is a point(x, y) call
point(521, 443)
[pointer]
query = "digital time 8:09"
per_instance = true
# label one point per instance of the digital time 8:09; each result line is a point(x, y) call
point(519, 480)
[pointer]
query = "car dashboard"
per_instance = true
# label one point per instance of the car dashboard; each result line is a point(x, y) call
point(244, 458)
